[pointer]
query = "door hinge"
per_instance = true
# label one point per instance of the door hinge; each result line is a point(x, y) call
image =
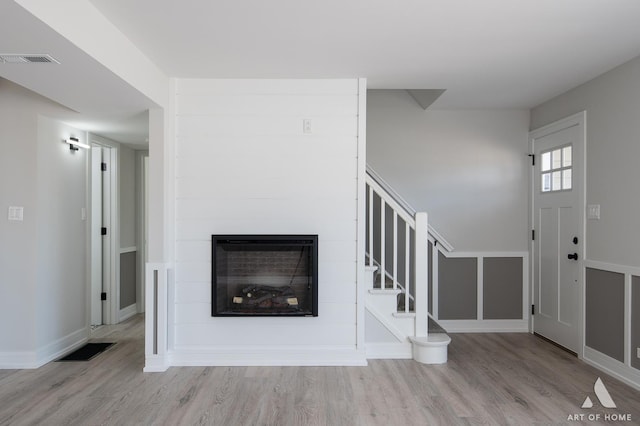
point(533, 159)
point(103, 296)
point(533, 309)
point(103, 167)
point(103, 231)
point(533, 235)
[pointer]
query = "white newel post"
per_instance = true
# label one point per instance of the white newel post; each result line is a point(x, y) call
point(427, 348)
point(421, 274)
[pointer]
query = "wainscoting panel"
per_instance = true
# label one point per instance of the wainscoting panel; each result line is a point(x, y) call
point(128, 274)
point(635, 321)
point(502, 285)
point(605, 312)
point(457, 288)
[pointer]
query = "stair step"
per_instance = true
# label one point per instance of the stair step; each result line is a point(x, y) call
point(384, 291)
point(404, 314)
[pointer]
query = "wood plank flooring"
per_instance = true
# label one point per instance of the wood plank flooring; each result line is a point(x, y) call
point(491, 379)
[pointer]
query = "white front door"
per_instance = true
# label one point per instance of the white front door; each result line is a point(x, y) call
point(558, 232)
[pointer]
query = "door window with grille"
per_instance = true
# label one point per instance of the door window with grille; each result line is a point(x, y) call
point(556, 169)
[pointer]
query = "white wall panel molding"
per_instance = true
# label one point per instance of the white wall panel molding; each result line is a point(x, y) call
point(485, 326)
point(617, 369)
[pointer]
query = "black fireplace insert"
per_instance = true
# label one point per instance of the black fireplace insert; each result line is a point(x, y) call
point(264, 275)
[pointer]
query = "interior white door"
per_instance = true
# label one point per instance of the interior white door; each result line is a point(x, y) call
point(558, 237)
point(96, 239)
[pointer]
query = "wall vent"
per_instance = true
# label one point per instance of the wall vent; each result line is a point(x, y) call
point(12, 58)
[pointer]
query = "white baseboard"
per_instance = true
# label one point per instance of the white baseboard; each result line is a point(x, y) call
point(389, 350)
point(613, 367)
point(45, 354)
point(485, 326)
point(155, 364)
point(18, 360)
point(128, 312)
point(62, 346)
point(260, 356)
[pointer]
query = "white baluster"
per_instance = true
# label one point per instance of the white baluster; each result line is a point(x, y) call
point(407, 266)
point(395, 250)
point(383, 242)
point(370, 212)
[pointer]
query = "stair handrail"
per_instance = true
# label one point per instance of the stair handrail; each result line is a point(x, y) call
point(391, 194)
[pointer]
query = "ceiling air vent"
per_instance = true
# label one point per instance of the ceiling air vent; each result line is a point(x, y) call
point(11, 58)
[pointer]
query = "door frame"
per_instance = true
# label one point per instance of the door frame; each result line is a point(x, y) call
point(579, 120)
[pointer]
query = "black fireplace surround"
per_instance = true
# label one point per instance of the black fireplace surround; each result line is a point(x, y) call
point(264, 275)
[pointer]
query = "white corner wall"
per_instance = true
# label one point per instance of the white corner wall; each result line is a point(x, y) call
point(42, 267)
point(467, 168)
point(244, 165)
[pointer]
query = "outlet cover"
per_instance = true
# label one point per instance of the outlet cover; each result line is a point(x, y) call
point(638, 352)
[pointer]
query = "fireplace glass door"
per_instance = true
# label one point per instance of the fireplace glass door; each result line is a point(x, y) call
point(264, 275)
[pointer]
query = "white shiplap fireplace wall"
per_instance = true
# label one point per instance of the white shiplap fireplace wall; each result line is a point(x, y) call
point(244, 165)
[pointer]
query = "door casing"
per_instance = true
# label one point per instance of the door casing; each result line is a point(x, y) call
point(579, 120)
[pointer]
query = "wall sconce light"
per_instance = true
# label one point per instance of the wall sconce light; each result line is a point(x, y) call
point(74, 143)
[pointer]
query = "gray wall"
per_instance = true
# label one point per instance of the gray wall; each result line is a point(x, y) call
point(451, 163)
point(127, 187)
point(127, 175)
point(605, 312)
point(42, 259)
point(18, 187)
point(612, 102)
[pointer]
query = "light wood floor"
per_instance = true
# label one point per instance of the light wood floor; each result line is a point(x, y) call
point(490, 379)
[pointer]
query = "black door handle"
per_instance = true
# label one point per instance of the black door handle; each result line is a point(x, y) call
point(573, 256)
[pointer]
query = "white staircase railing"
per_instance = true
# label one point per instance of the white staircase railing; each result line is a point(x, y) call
point(398, 248)
point(406, 240)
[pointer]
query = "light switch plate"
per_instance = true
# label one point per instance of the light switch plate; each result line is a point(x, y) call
point(593, 211)
point(16, 213)
point(306, 126)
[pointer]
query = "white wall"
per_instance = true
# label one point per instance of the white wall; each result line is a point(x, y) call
point(61, 236)
point(612, 102)
point(42, 268)
point(243, 165)
point(467, 169)
point(18, 141)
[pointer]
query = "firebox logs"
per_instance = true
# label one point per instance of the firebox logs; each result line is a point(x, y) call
point(266, 297)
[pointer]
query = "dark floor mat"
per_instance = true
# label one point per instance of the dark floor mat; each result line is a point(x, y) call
point(86, 352)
